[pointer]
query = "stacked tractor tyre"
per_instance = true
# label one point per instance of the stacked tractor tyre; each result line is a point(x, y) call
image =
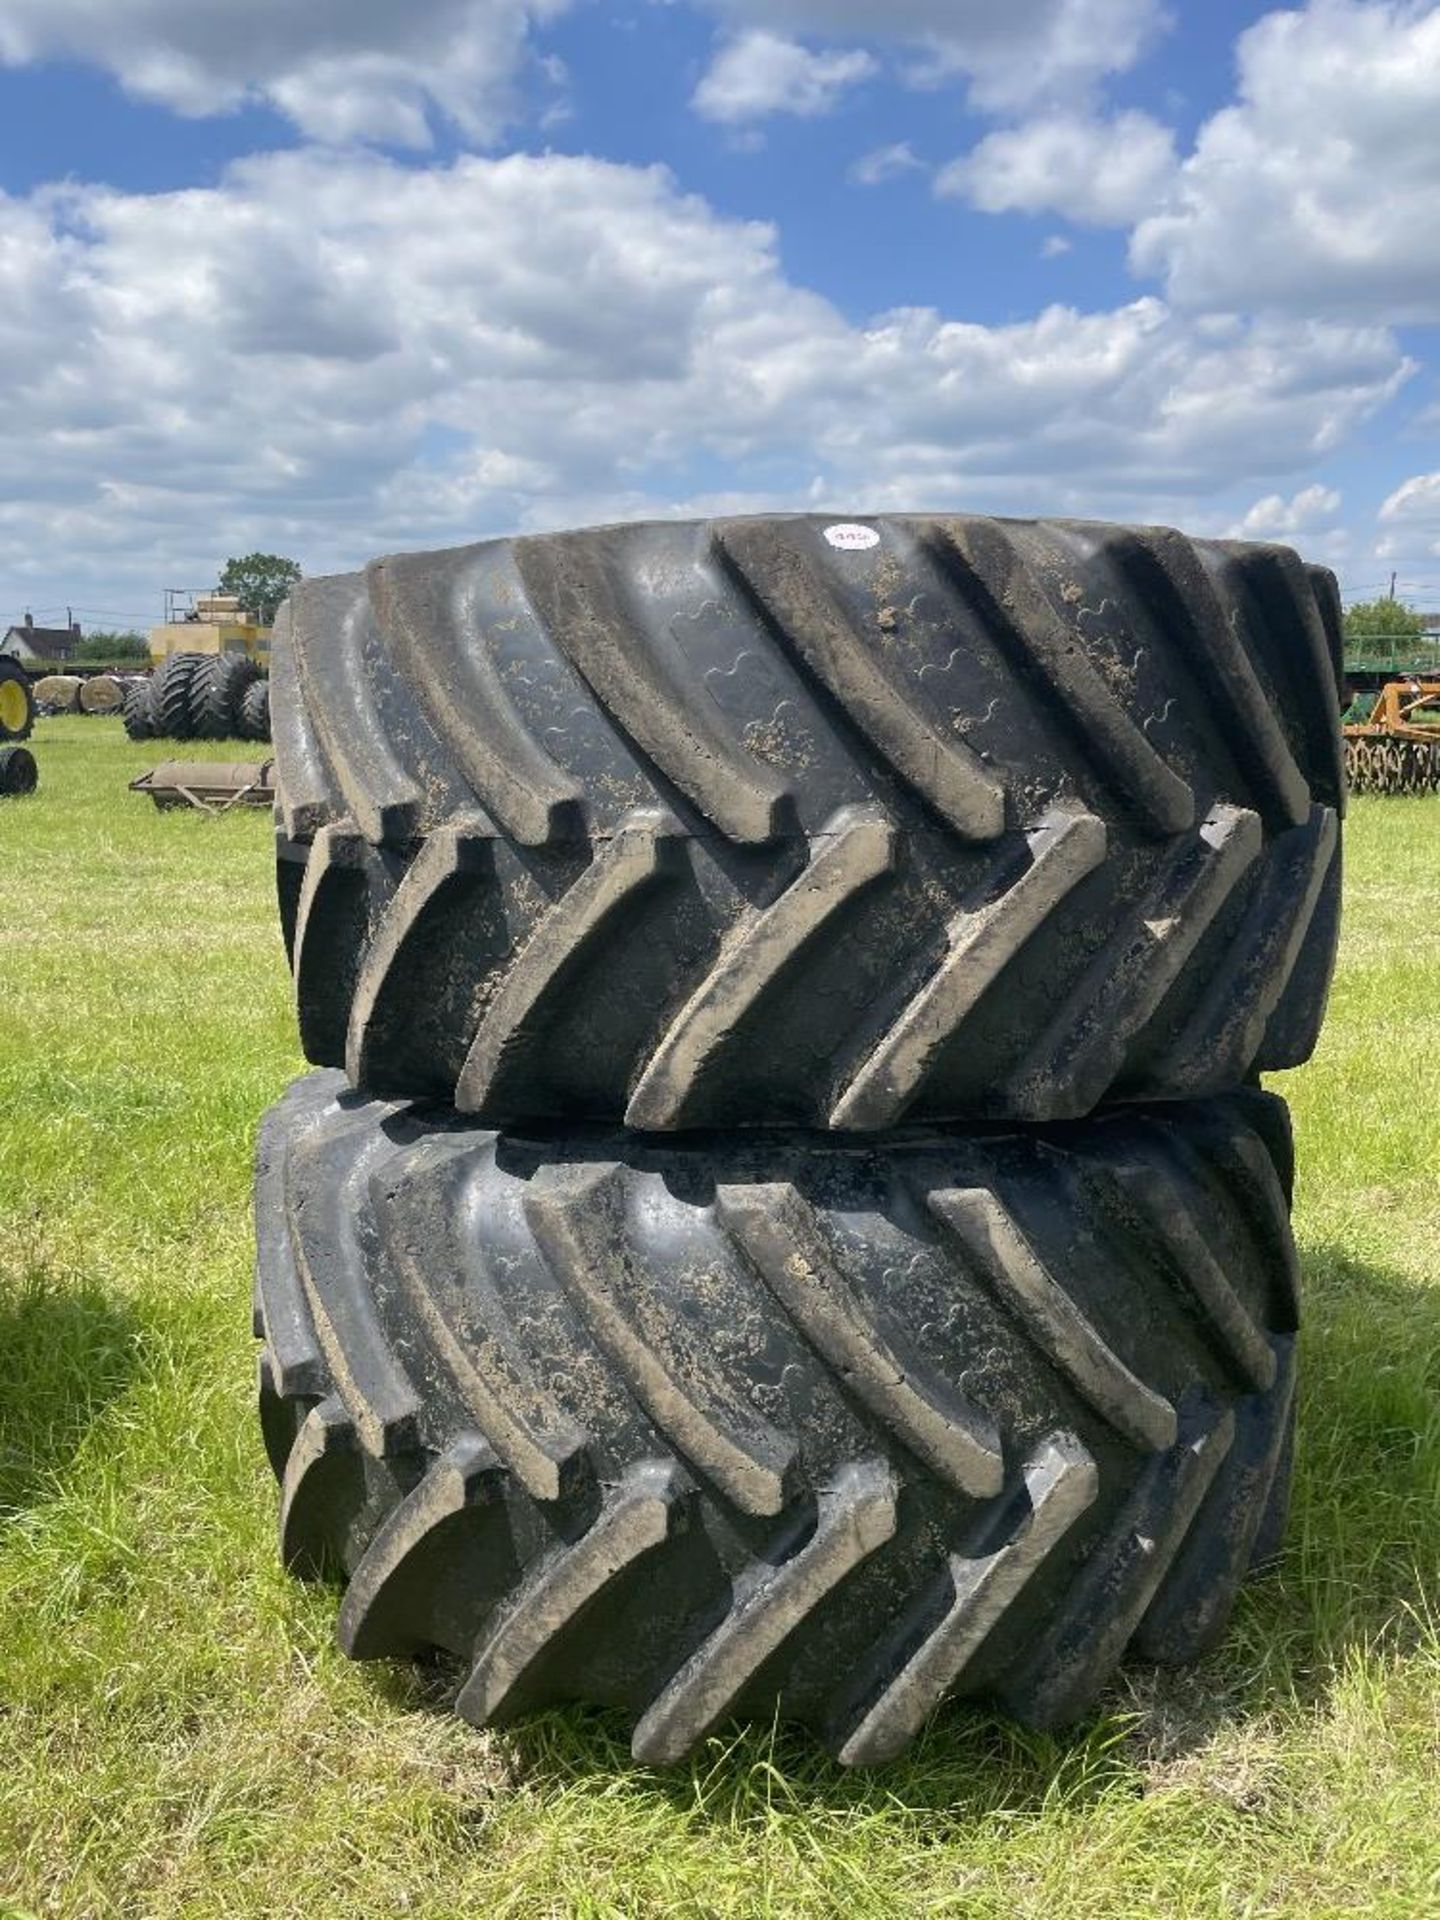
point(785, 1219)
point(200, 696)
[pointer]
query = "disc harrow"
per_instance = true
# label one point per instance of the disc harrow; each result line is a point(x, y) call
point(1393, 766)
point(1396, 748)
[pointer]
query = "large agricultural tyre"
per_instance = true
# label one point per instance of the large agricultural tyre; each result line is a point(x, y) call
point(772, 821)
point(171, 701)
point(741, 1424)
point(254, 721)
point(17, 702)
point(216, 693)
point(18, 772)
point(138, 710)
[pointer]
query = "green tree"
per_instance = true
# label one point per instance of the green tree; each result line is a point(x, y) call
point(103, 644)
point(261, 581)
point(1381, 626)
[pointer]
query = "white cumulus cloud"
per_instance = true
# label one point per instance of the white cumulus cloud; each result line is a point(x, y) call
point(1318, 190)
point(1410, 534)
point(1417, 498)
point(1275, 518)
point(361, 355)
point(885, 163)
point(1010, 55)
point(1098, 172)
point(758, 74)
point(342, 70)
point(372, 71)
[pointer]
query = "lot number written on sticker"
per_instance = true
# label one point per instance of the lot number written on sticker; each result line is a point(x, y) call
point(851, 538)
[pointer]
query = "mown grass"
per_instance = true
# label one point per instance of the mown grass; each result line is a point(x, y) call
point(177, 1734)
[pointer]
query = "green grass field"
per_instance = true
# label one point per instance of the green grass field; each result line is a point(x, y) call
point(177, 1733)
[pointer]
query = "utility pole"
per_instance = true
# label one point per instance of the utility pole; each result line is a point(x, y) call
point(1392, 586)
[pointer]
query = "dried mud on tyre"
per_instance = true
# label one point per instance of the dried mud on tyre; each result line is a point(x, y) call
point(718, 1428)
point(737, 823)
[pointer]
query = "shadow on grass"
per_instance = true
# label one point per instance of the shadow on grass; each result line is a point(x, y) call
point(1365, 1524)
point(66, 1351)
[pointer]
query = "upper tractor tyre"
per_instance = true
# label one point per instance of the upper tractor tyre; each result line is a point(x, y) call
point(138, 709)
point(172, 696)
point(777, 821)
point(216, 693)
point(254, 720)
point(18, 772)
point(756, 1424)
point(17, 702)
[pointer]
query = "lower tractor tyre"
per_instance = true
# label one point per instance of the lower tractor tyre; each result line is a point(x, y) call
point(18, 772)
point(17, 702)
point(743, 1426)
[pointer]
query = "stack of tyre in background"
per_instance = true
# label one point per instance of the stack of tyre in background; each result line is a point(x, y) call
point(791, 1223)
point(200, 696)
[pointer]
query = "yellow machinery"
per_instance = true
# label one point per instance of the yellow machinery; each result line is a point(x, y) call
point(208, 623)
point(1392, 744)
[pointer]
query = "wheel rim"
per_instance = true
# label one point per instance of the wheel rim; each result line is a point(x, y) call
point(14, 707)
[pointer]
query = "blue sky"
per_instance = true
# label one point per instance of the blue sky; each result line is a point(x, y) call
point(343, 278)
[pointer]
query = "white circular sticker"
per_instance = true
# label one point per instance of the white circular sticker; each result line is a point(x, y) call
point(851, 538)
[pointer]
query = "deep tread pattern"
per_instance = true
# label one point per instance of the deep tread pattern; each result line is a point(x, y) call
point(993, 819)
point(1063, 848)
point(253, 715)
point(645, 853)
point(857, 847)
point(378, 1615)
point(216, 693)
point(136, 709)
point(1110, 1596)
point(638, 1516)
point(712, 1427)
point(172, 704)
point(1192, 1604)
point(780, 1233)
point(579, 1221)
point(1014, 598)
point(307, 798)
point(855, 1516)
point(1063, 1331)
point(426, 1215)
point(1084, 1050)
point(918, 1666)
point(797, 603)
